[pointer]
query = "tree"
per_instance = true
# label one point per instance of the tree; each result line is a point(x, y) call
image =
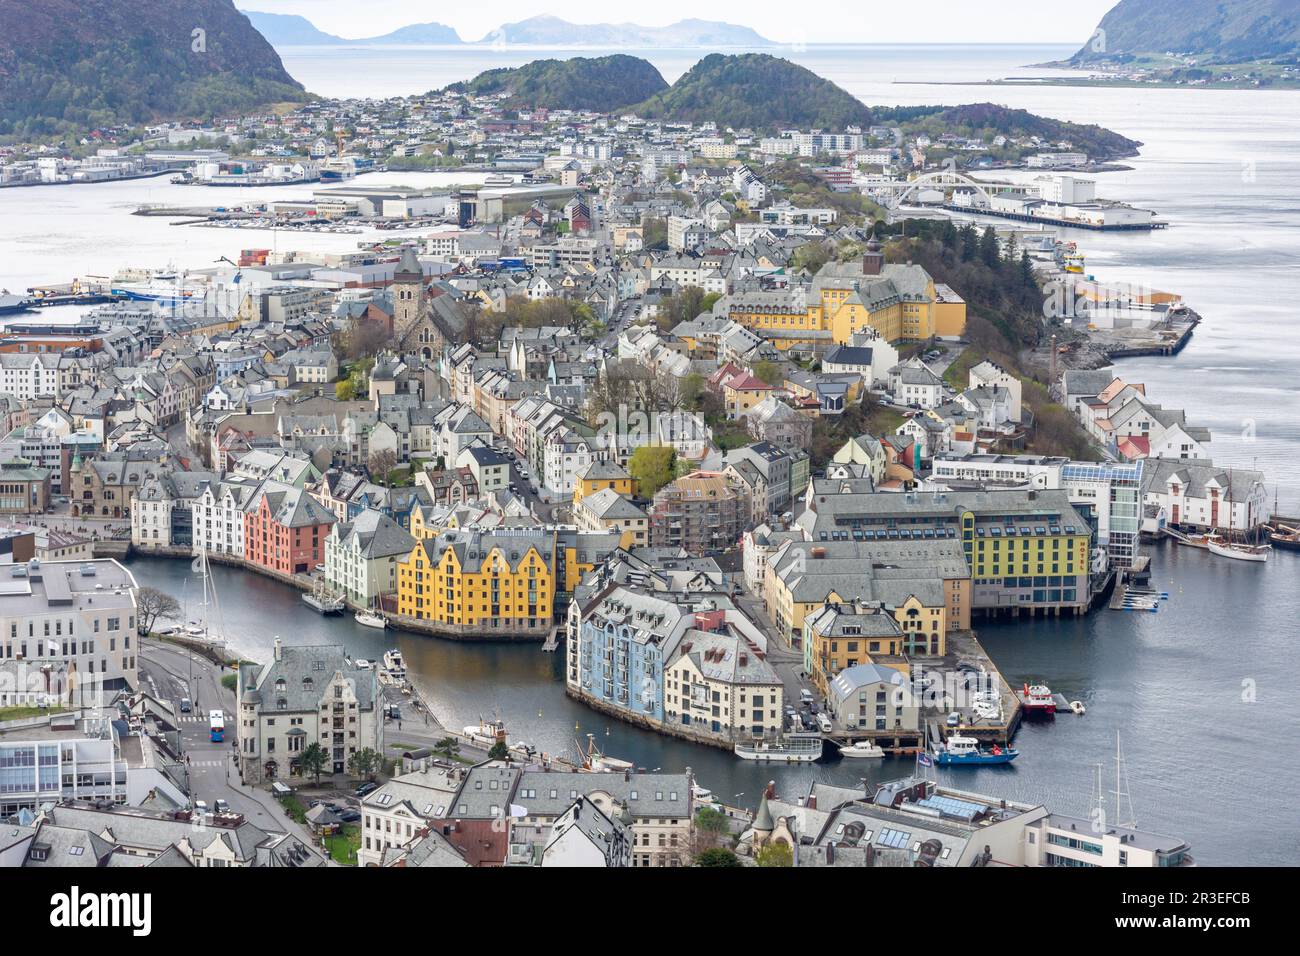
point(768, 372)
point(499, 751)
point(652, 467)
point(151, 604)
point(313, 760)
point(775, 854)
point(345, 390)
point(712, 829)
point(382, 461)
point(717, 856)
point(365, 763)
point(364, 339)
point(449, 746)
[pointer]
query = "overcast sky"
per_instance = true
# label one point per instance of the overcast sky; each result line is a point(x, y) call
point(818, 21)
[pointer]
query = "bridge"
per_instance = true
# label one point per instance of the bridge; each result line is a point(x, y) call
point(942, 179)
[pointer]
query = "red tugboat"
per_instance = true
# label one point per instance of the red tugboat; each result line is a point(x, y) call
point(1037, 700)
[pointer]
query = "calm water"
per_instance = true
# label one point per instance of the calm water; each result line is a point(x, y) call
point(1222, 166)
point(1204, 763)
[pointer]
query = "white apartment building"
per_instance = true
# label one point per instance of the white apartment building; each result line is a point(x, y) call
point(82, 613)
point(361, 556)
point(218, 517)
point(392, 815)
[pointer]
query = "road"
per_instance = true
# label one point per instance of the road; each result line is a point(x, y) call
point(171, 672)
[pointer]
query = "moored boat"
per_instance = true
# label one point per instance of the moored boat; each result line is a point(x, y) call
point(488, 733)
point(793, 748)
point(594, 761)
point(321, 601)
point(1240, 551)
point(394, 666)
point(862, 749)
point(1037, 699)
point(370, 619)
point(959, 751)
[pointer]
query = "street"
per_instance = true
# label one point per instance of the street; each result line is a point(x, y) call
point(171, 672)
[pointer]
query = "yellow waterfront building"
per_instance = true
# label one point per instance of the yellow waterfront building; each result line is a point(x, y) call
point(900, 301)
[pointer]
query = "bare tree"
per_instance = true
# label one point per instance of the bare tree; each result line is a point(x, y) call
point(152, 604)
point(382, 461)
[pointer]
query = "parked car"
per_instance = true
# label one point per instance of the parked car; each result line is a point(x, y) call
point(954, 719)
point(221, 806)
point(823, 723)
point(805, 697)
point(201, 806)
point(365, 788)
point(350, 816)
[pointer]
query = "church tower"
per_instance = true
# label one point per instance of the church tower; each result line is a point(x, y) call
point(408, 294)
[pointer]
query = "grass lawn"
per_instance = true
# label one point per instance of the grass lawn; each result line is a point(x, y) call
point(22, 713)
point(344, 843)
point(293, 808)
point(958, 373)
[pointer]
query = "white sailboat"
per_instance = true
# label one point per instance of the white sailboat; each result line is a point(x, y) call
point(370, 617)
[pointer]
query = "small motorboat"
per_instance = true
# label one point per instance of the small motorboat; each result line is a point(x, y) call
point(862, 749)
point(394, 666)
point(1076, 706)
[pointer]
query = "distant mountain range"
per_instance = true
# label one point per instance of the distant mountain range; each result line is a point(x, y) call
point(290, 30)
point(1234, 32)
point(552, 31)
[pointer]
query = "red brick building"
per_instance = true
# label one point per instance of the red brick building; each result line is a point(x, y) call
point(285, 529)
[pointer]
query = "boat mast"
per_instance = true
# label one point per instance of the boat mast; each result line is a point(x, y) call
point(1121, 791)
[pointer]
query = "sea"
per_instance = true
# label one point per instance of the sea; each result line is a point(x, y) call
point(1200, 695)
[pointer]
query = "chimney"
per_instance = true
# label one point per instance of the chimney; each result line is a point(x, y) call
point(277, 648)
point(812, 801)
point(770, 791)
point(830, 853)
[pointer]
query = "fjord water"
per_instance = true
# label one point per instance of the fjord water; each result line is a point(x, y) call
point(1202, 693)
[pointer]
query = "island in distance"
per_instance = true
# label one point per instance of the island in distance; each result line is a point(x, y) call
point(292, 30)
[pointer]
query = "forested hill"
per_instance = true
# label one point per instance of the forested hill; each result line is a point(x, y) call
point(69, 65)
point(1234, 32)
point(756, 91)
point(602, 84)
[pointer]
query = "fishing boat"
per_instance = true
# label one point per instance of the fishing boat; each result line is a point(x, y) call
point(320, 600)
point(966, 752)
point(370, 618)
point(594, 761)
point(1037, 699)
point(793, 748)
point(1201, 541)
point(1285, 537)
point(703, 795)
point(488, 733)
point(394, 666)
point(862, 749)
